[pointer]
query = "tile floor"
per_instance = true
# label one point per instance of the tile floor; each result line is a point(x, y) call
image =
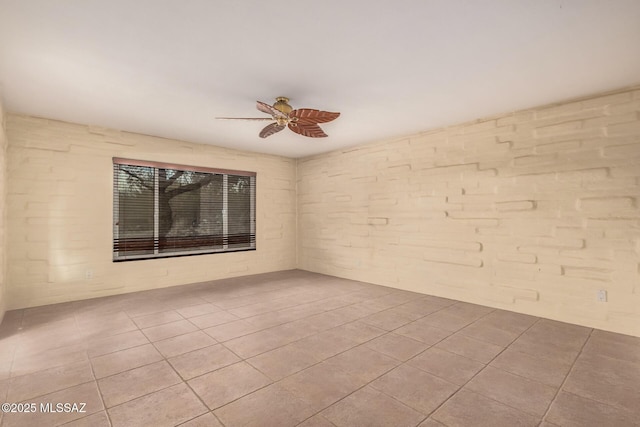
point(297, 348)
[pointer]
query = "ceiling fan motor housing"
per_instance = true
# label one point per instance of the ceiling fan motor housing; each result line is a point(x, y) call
point(282, 104)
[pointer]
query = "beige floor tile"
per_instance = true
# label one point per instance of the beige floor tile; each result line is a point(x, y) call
point(421, 331)
point(552, 340)
point(607, 380)
point(156, 319)
point(489, 333)
point(446, 365)
point(4, 390)
point(271, 406)
point(355, 311)
point(446, 320)
point(106, 325)
point(397, 346)
point(362, 362)
point(508, 321)
point(212, 319)
point(240, 300)
point(612, 337)
point(615, 346)
point(545, 350)
point(8, 348)
point(164, 408)
point(199, 362)
point(323, 339)
point(225, 385)
point(99, 419)
point(284, 361)
point(259, 308)
point(185, 297)
point(468, 310)
point(271, 319)
point(358, 331)
point(430, 422)
point(144, 308)
point(298, 329)
point(47, 359)
point(316, 421)
point(415, 388)
point(5, 369)
point(44, 382)
point(206, 420)
point(59, 333)
point(123, 360)
point(526, 395)
point(168, 330)
point(567, 332)
point(392, 298)
point(110, 344)
point(547, 371)
point(259, 342)
point(471, 348)
point(466, 408)
point(569, 410)
point(326, 344)
point(388, 319)
point(137, 382)
point(184, 343)
point(333, 303)
point(231, 330)
point(197, 310)
point(368, 408)
point(321, 385)
point(86, 396)
point(423, 306)
point(323, 321)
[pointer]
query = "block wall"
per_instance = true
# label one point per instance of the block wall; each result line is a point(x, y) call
point(532, 212)
point(3, 197)
point(60, 210)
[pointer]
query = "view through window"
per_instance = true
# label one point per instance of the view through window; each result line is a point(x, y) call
point(162, 210)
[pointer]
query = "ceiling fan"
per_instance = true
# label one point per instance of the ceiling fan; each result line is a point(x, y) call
point(303, 121)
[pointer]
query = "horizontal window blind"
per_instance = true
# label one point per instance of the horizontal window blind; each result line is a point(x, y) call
point(163, 209)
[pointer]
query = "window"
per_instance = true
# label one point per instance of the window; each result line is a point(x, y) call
point(162, 210)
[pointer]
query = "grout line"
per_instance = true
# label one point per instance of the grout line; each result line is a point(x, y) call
point(573, 365)
point(321, 361)
point(194, 393)
point(240, 358)
point(482, 369)
point(345, 323)
point(14, 351)
point(100, 393)
point(301, 289)
point(385, 372)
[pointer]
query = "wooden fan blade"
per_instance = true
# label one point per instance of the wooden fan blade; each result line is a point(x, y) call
point(308, 115)
point(245, 118)
point(266, 108)
point(270, 130)
point(311, 130)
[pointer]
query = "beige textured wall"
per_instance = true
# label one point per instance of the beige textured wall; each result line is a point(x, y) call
point(3, 194)
point(532, 212)
point(60, 198)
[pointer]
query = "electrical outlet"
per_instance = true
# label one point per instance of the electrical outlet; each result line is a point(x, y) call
point(88, 274)
point(602, 295)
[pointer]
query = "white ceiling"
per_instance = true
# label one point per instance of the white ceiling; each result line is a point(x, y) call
point(391, 67)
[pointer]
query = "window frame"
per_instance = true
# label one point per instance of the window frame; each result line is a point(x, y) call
point(118, 257)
